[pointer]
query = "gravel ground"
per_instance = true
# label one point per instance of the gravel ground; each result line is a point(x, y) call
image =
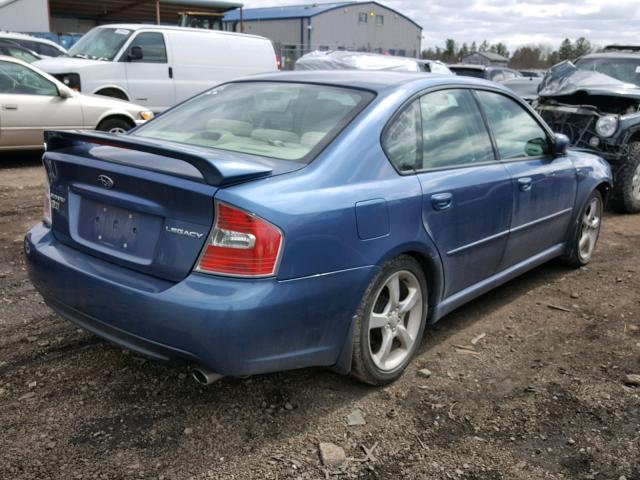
point(519, 389)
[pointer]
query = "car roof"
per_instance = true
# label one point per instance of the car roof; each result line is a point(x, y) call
point(31, 38)
point(376, 81)
point(145, 26)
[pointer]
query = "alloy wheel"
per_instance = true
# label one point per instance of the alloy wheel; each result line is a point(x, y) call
point(394, 322)
point(590, 228)
point(635, 184)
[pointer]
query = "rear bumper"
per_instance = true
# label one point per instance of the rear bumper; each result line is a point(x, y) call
point(231, 326)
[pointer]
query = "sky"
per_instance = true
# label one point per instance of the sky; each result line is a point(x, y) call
point(514, 22)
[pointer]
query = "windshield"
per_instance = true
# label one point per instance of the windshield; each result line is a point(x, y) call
point(100, 43)
point(624, 69)
point(279, 120)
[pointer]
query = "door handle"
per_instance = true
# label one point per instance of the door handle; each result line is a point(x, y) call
point(170, 72)
point(9, 107)
point(524, 184)
point(441, 201)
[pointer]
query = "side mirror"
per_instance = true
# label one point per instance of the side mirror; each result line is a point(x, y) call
point(135, 54)
point(560, 144)
point(64, 92)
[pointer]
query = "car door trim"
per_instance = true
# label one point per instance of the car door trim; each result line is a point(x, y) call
point(477, 243)
point(538, 221)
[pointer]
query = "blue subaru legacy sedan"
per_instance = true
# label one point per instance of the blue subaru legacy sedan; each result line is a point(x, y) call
point(307, 219)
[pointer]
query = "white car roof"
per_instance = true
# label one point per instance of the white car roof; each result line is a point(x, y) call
point(141, 26)
point(31, 38)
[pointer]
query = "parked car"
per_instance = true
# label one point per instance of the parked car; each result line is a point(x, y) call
point(14, 50)
point(307, 219)
point(596, 103)
point(41, 46)
point(526, 87)
point(159, 66)
point(32, 101)
point(346, 60)
point(495, 74)
point(532, 73)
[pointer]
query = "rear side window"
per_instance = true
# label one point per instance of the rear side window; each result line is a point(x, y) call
point(516, 132)
point(402, 139)
point(283, 120)
point(453, 131)
point(153, 47)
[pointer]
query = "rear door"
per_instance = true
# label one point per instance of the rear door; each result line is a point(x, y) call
point(467, 193)
point(29, 104)
point(544, 187)
point(150, 79)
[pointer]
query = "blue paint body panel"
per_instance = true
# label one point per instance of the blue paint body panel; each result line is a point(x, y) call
point(119, 263)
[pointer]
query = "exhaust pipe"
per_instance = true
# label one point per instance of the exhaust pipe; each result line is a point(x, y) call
point(204, 376)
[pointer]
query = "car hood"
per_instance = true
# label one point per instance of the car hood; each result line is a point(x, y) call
point(107, 103)
point(65, 64)
point(566, 79)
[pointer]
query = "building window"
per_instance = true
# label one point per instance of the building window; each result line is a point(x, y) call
point(379, 19)
point(362, 17)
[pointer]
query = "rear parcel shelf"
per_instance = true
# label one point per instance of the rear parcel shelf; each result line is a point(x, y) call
point(214, 167)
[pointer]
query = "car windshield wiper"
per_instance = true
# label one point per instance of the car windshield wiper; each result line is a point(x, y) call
point(81, 55)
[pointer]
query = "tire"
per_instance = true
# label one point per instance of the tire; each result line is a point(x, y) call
point(402, 331)
point(114, 125)
point(625, 197)
point(588, 230)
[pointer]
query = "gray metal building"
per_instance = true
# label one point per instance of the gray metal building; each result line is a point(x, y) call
point(486, 58)
point(358, 26)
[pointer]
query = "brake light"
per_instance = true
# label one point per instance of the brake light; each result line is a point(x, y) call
point(240, 244)
point(46, 206)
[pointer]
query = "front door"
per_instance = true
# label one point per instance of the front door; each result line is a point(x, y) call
point(150, 78)
point(544, 187)
point(29, 104)
point(467, 194)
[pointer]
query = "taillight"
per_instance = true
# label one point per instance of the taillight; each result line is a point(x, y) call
point(46, 206)
point(240, 244)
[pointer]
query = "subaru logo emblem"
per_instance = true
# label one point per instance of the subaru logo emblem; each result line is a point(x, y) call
point(105, 181)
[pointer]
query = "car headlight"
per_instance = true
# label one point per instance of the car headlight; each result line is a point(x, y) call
point(607, 125)
point(145, 115)
point(71, 80)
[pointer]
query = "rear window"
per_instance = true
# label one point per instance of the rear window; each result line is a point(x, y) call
point(287, 121)
point(469, 72)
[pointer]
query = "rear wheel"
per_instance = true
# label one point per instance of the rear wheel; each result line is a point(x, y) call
point(115, 125)
point(626, 191)
point(390, 322)
point(583, 244)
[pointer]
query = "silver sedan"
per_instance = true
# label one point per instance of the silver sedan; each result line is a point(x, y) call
point(32, 101)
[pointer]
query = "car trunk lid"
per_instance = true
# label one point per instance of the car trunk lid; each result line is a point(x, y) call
point(144, 205)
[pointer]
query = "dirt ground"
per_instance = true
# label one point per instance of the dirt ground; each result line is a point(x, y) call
point(540, 395)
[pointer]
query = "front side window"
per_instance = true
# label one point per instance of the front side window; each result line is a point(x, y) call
point(19, 80)
point(100, 43)
point(516, 132)
point(402, 139)
point(453, 131)
point(272, 119)
point(153, 47)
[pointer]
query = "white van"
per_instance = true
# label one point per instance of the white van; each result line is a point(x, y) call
point(158, 66)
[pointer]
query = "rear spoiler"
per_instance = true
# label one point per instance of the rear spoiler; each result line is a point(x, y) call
point(214, 167)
